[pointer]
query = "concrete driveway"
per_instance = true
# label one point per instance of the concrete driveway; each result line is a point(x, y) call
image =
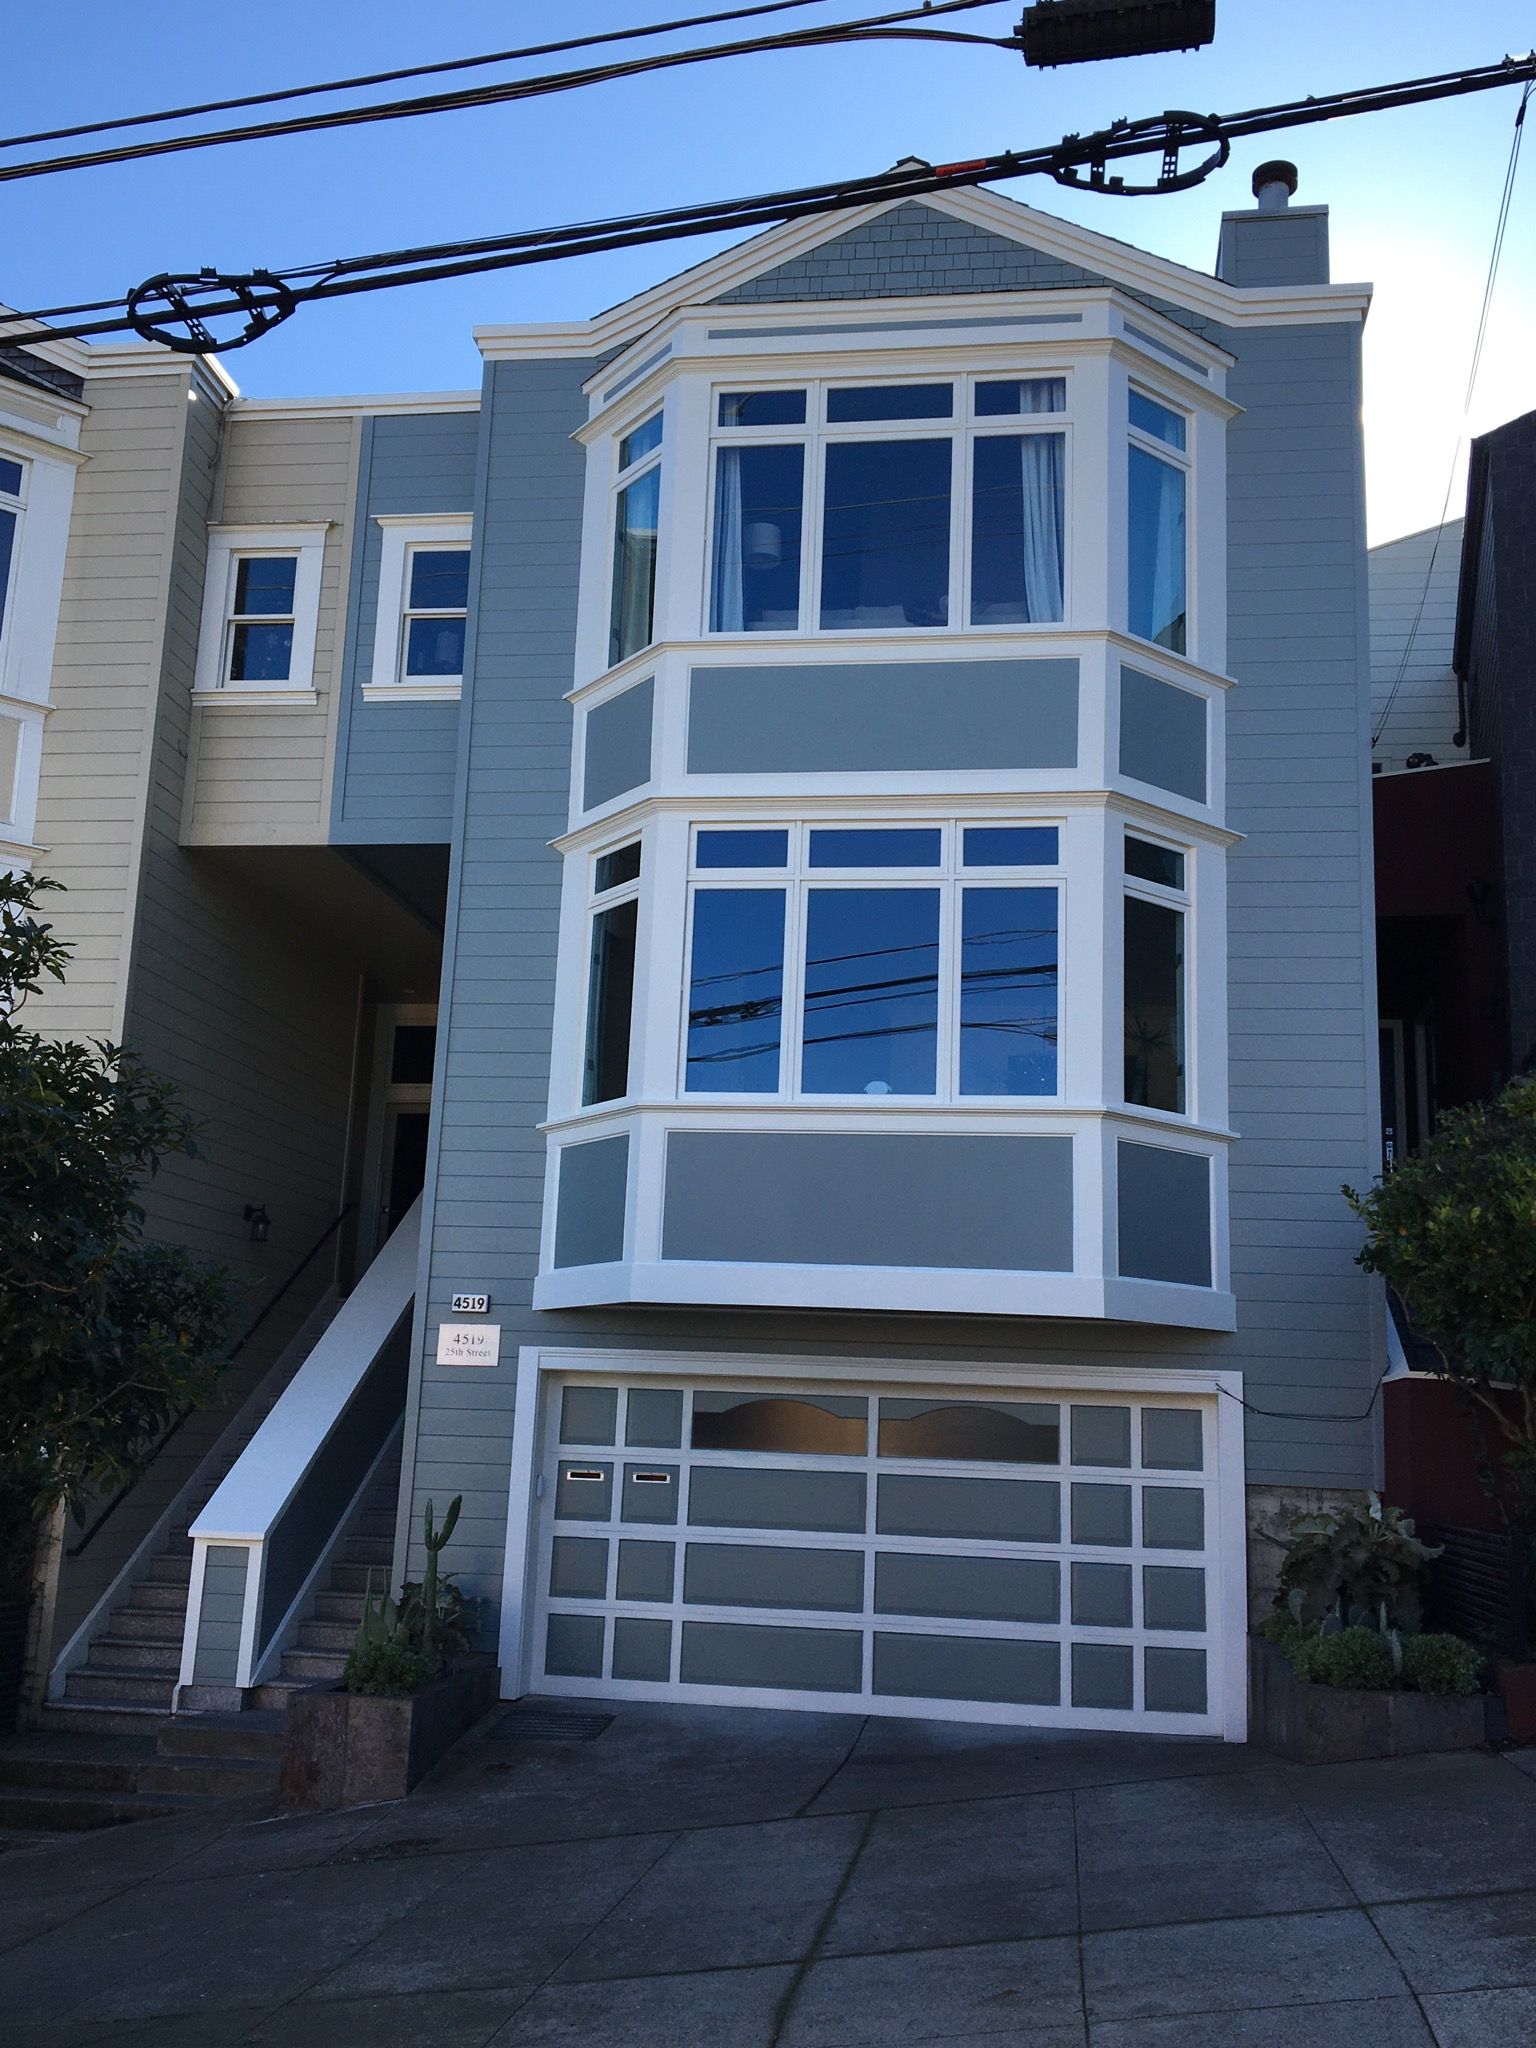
point(693, 1878)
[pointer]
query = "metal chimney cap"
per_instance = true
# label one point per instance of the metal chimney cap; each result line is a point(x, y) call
point(1276, 172)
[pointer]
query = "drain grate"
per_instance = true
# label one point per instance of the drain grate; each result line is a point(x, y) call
point(539, 1724)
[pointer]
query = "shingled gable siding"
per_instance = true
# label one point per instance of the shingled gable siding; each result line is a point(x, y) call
point(1299, 988)
point(395, 762)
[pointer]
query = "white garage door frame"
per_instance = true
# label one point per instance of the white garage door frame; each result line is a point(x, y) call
point(540, 1366)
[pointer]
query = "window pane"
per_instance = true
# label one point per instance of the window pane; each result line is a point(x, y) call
point(434, 647)
point(412, 1053)
point(1153, 418)
point(260, 654)
point(755, 580)
point(1008, 983)
point(741, 849)
point(618, 867)
point(1157, 551)
point(1154, 1005)
point(641, 441)
point(634, 567)
point(891, 402)
point(1021, 394)
point(264, 584)
point(999, 1432)
point(835, 1425)
point(871, 992)
point(762, 408)
point(736, 994)
point(885, 537)
point(10, 478)
point(1017, 529)
point(7, 548)
point(1011, 846)
point(439, 580)
point(1151, 863)
point(610, 998)
point(877, 848)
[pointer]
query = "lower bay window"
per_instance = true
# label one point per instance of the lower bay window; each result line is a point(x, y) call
point(1155, 923)
point(611, 974)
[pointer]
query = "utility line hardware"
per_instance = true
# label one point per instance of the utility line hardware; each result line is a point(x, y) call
point(1079, 31)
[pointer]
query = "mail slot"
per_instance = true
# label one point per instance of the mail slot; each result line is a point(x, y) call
point(584, 1493)
point(650, 1493)
point(574, 1472)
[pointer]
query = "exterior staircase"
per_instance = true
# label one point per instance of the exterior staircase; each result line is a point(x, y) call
point(57, 1780)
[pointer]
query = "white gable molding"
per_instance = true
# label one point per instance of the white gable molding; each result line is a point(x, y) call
point(1134, 269)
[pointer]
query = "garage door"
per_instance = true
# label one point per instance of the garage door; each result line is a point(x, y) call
point(1044, 1560)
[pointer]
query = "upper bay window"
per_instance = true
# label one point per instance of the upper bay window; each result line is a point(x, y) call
point(915, 961)
point(637, 513)
point(12, 477)
point(888, 507)
point(1158, 491)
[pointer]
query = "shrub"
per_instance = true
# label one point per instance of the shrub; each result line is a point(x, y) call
point(1283, 1630)
point(1361, 1561)
point(1442, 1664)
point(391, 1669)
point(1357, 1658)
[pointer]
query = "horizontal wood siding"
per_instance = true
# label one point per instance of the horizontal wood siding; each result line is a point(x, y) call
point(262, 777)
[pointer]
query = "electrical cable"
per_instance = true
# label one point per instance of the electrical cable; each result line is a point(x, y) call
point(297, 92)
point(1502, 222)
point(162, 308)
point(1310, 1415)
point(866, 28)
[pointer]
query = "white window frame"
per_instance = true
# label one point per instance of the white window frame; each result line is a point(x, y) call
point(228, 546)
point(962, 429)
point(948, 877)
point(596, 902)
point(1176, 458)
point(1181, 900)
point(401, 534)
point(622, 478)
point(15, 504)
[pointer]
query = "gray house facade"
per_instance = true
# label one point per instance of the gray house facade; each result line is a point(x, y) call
point(823, 820)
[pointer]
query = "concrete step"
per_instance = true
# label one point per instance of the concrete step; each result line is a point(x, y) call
point(168, 1597)
point(55, 1768)
point(273, 1696)
point(223, 1736)
point(375, 1550)
point(308, 1665)
point(130, 1653)
point(335, 1606)
point(169, 1570)
point(70, 1812)
point(188, 1777)
point(104, 1686)
point(376, 1522)
point(88, 1717)
point(336, 1636)
point(353, 1578)
point(178, 1544)
point(152, 1624)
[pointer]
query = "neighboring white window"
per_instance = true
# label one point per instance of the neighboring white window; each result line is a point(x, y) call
point(261, 608)
point(418, 644)
point(13, 478)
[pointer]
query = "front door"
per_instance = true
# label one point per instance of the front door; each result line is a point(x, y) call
point(400, 1114)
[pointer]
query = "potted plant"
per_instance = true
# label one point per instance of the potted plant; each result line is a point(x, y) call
point(1340, 1670)
point(409, 1691)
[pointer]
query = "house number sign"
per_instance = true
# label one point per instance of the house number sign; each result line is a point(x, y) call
point(468, 1343)
point(471, 1304)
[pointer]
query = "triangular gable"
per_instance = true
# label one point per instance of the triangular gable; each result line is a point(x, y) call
point(909, 251)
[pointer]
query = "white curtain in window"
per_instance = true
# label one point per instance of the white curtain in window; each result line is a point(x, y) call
point(1041, 455)
point(725, 601)
point(1168, 558)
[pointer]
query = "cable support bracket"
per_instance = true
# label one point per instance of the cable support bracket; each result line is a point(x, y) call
point(1082, 161)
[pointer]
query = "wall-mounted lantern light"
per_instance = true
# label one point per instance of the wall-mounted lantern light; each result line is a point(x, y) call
point(260, 1222)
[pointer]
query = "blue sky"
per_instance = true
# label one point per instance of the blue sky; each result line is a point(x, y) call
point(1413, 193)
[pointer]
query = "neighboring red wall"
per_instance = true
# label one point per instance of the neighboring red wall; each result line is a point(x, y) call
point(1431, 1456)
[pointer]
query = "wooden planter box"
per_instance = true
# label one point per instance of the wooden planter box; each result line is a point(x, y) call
point(1329, 1724)
point(346, 1749)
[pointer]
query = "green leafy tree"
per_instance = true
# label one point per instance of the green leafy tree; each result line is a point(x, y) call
point(1453, 1229)
point(104, 1336)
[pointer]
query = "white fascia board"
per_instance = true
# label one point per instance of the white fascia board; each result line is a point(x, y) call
point(1231, 305)
point(350, 407)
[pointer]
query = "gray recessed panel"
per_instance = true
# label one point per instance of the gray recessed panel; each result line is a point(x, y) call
point(588, 1415)
point(589, 1209)
point(573, 1646)
point(1101, 1435)
point(1165, 1214)
point(1172, 1518)
point(1101, 1595)
point(1173, 1596)
point(654, 1416)
point(1162, 735)
point(893, 716)
point(1103, 1675)
point(786, 1659)
point(618, 741)
point(967, 1588)
point(968, 1668)
point(645, 1570)
point(736, 1497)
point(578, 1567)
point(1174, 1681)
point(583, 1490)
point(988, 1432)
point(649, 1493)
point(984, 1510)
point(846, 1199)
point(739, 1575)
point(1101, 1514)
point(1171, 1439)
point(642, 1649)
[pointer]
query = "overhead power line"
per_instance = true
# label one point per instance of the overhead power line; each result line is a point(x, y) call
point(176, 310)
point(867, 28)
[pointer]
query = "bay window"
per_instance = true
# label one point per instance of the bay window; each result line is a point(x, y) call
point(12, 477)
point(614, 925)
point(636, 518)
point(862, 520)
point(874, 961)
point(1156, 904)
point(1158, 487)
